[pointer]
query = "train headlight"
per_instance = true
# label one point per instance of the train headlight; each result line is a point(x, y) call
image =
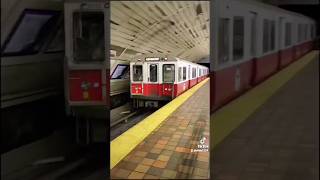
point(96, 85)
point(85, 85)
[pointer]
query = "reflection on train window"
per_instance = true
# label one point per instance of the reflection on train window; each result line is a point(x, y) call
point(238, 37)
point(223, 40)
point(137, 73)
point(184, 73)
point(288, 34)
point(57, 43)
point(153, 73)
point(120, 72)
point(168, 73)
point(30, 32)
point(88, 31)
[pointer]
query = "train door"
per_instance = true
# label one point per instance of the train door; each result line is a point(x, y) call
point(168, 79)
point(152, 87)
point(189, 77)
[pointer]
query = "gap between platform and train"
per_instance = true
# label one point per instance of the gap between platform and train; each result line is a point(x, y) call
point(126, 142)
point(228, 118)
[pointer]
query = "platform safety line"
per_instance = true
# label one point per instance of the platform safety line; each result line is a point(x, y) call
point(228, 118)
point(126, 142)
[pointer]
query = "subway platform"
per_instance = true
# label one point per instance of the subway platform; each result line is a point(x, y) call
point(169, 151)
point(280, 140)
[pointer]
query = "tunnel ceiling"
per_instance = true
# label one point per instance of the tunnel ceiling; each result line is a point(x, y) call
point(170, 27)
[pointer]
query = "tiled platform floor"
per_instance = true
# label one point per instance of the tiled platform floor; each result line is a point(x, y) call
point(281, 140)
point(166, 153)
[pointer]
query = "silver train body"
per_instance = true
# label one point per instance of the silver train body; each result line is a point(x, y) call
point(32, 50)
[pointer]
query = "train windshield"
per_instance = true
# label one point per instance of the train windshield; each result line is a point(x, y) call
point(88, 32)
point(137, 73)
point(153, 73)
point(168, 73)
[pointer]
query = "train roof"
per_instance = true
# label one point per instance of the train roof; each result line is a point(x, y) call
point(155, 55)
point(82, 1)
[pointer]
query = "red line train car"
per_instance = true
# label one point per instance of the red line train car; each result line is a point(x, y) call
point(156, 78)
point(254, 41)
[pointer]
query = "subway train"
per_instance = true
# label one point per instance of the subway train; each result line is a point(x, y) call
point(253, 41)
point(32, 51)
point(158, 78)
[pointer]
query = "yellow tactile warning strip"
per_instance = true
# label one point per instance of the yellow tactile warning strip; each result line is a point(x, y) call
point(126, 142)
point(226, 119)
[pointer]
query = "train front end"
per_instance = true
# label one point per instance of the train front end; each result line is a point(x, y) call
point(86, 68)
point(152, 81)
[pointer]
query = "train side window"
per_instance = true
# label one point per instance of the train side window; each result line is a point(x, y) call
point(253, 33)
point(268, 35)
point(57, 43)
point(137, 73)
point(184, 73)
point(194, 72)
point(88, 36)
point(265, 35)
point(168, 73)
point(153, 73)
point(288, 34)
point(272, 35)
point(120, 72)
point(312, 29)
point(299, 32)
point(30, 32)
point(180, 74)
point(306, 32)
point(223, 40)
point(238, 37)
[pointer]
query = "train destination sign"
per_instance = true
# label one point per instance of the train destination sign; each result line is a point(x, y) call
point(152, 59)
